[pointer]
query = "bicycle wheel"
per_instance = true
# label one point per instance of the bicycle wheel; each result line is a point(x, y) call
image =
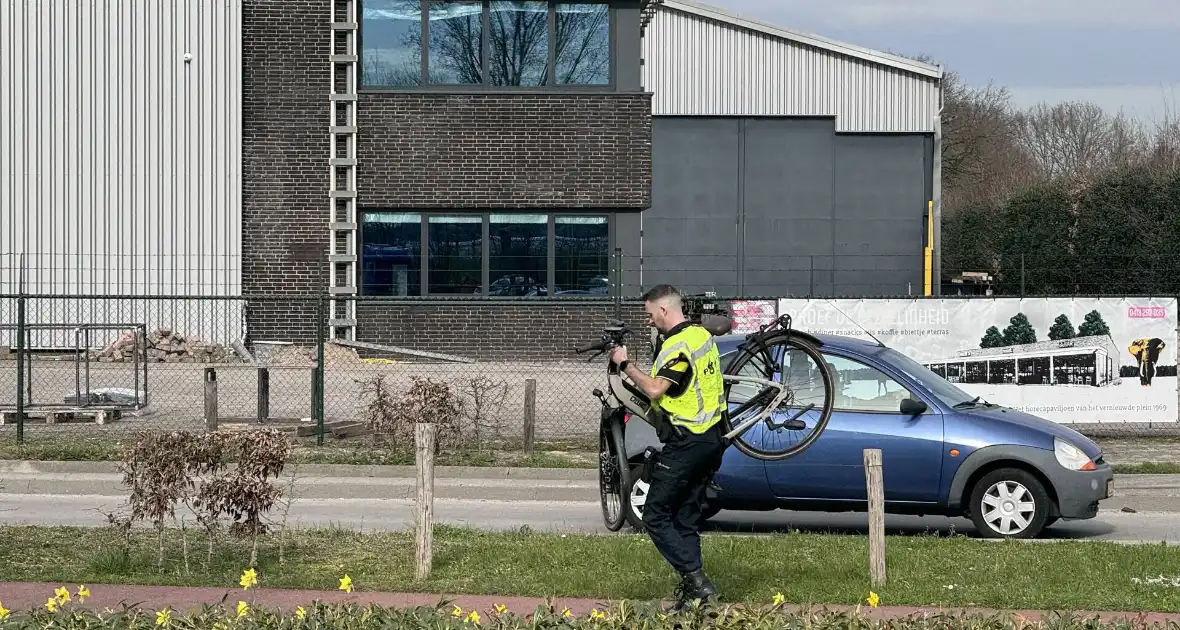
point(803, 414)
point(612, 476)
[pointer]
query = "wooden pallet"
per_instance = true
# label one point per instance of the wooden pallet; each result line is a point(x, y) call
point(63, 415)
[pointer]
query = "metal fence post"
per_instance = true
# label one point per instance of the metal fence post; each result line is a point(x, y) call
point(318, 389)
point(20, 369)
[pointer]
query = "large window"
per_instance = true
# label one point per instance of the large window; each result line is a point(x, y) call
point(494, 253)
point(391, 253)
point(501, 43)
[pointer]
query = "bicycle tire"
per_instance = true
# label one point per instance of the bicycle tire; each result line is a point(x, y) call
point(610, 454)
point(746, 354)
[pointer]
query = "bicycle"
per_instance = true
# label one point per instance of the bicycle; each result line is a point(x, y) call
point(625, 398)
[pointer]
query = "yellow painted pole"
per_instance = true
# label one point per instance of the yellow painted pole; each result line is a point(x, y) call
point(929, 249)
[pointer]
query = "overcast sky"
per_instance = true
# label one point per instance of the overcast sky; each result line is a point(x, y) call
point(1117, 54)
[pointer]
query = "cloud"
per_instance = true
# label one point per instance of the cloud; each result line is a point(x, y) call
point(1154, 13)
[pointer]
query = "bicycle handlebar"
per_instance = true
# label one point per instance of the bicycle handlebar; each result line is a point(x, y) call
point(597, 345)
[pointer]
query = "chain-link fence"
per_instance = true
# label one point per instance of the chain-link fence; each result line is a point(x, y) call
point(83, 370)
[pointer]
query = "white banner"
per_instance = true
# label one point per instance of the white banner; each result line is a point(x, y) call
point(1070, 360)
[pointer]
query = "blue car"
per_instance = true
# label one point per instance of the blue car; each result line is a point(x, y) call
point(952, 454)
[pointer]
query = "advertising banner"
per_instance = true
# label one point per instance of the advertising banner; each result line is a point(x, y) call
point(748, 315)
point(1070, 360)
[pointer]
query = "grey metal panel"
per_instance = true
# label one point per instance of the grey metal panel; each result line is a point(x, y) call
point(819, 213)
point(121, 163)
point(880, 200)
point(697, 65)
point(690, 232)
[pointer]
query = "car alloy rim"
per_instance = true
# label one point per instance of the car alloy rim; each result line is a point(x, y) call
point(1008, 508)
point(639, 496)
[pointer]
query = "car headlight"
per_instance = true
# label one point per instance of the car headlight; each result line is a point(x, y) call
point(1070, 456)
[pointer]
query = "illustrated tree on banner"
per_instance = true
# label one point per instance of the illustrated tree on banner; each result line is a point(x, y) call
point(1093, 325)
point(1062, 328)
point(992, 338)
point(1019, 331)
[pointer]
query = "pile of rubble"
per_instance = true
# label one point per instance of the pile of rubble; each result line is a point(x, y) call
point(165, 346)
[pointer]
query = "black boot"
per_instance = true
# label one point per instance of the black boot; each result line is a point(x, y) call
point(693, 586)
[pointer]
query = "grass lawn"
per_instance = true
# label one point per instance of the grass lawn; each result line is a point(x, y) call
point(806, 568)
point(568, 454)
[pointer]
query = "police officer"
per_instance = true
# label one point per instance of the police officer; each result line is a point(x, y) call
point(687, 392)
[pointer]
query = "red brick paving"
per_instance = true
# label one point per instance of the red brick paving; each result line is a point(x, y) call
point(19, 596)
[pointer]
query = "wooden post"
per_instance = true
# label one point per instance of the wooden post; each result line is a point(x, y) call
point(424, 440)
point(263, 394)
point(211, 399)
point(876, 495)
point(530, 414)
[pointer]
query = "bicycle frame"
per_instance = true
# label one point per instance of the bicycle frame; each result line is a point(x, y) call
point(625, 394)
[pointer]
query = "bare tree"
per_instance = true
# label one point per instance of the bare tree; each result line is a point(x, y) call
point(1078, 139)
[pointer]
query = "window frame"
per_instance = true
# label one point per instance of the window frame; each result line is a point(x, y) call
point(486, 86)
point(485, 249)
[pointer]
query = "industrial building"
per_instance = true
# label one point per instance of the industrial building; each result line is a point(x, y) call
point(478, 148)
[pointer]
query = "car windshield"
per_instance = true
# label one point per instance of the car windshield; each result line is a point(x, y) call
point(938, 386)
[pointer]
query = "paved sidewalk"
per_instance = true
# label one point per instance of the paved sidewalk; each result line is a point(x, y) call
point(19, 596)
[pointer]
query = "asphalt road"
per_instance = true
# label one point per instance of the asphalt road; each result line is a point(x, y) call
point(584, 517)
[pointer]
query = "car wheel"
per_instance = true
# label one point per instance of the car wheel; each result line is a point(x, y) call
point(1009, 503)
point(637, 497)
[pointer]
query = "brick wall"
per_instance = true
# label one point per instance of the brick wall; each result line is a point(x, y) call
point(505, 150)
point(496, 330)
point(284, 153)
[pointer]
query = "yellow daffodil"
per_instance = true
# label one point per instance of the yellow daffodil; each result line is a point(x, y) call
point(242, 609)
point(472, 617)
point(501, 608)
point(249, 578)
point(83, 593)
point(566, 613)
point(346, 584)
point(62, 594)
point(300, 613)
point(51, 604)
point(163, 617)
point(779, 599)
point(456, 611)
point(873, 599)
point(3, 612)
point(596, 614)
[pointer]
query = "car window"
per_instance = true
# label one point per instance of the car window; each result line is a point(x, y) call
point(860, 387)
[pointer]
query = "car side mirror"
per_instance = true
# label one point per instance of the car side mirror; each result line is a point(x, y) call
point(911, 407)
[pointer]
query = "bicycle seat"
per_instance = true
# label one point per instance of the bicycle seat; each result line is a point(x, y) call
point(717, 325)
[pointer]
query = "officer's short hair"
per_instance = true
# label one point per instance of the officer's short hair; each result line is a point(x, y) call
point(662, 291)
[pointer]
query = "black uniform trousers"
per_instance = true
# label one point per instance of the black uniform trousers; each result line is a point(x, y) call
point(672, 511)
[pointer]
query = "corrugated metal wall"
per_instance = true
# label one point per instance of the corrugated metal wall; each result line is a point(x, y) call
point(121, 163)
point(699, 66)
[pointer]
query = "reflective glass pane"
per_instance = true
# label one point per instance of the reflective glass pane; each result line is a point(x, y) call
point(455, 251)
point(391, 32)
point(518, 254)
point(582, 43)
point(519, 52)
point(455, 56)
point(391, 253)
point(582, 255)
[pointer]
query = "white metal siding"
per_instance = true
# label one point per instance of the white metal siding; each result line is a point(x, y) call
point(700, 66)
point(120, 164)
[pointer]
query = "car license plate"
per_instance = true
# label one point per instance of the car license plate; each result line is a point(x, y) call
point(1110, 488)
